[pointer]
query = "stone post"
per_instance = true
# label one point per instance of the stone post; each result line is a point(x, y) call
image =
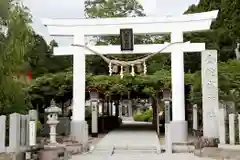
point(222, 127)
point(14, 135)
point(94, 101)
point(167, 118)
point(53, 112)
point(232, 129)
point(158, 123)
point(168, 138)
point(105, 105)
point(130, 114)
point(239, 126)
point(100, 108)
point(129, 105)
point(27, 129)
point(32, 127)
point(110, 107)
point(85, 139)
point(167, 111)
point(195, 119)
point(116, 103)
point(3, 133)
point(23, 130)
point(168, 134)
point(113, 108)
point(94, 105)
point(120, 109)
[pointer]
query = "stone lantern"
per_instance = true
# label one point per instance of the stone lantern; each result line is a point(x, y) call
point(53, 112)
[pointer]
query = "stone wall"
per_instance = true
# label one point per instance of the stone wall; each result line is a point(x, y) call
point(14, 135)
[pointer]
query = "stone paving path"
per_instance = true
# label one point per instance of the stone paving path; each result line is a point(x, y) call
point(164, 156)
point(134, 141)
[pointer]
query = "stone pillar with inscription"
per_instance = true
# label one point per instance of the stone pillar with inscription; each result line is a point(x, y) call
point(210, 100)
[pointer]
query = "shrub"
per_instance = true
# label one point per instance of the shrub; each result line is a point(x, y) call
point(39, 125)
point(143, 116)
point(138, 117)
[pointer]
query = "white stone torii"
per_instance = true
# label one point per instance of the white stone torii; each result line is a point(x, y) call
point(176, 26)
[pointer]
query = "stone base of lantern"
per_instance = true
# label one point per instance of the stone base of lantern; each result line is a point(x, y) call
point(53, 152)
point(179, 132)
point(79, 133)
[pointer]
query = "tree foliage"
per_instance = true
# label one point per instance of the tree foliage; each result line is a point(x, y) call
point(229, 82)
point(58, 86)
point(40, 58)
point(15, 42)
point(224, 33)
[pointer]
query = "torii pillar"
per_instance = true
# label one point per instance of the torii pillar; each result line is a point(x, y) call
point(78, 123)
point(178, 124)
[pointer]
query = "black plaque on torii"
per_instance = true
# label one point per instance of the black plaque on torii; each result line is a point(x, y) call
point(127, 39)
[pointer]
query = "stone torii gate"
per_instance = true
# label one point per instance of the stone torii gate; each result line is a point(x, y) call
point(176, 26)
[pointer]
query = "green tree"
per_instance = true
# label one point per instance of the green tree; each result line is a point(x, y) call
point(40, 58)
point(15, 43)
point(225, 30)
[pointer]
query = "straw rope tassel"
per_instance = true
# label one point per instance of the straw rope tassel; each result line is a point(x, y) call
point(110, 69)
point(121, 72)
point(144, 68)
point(133, 72)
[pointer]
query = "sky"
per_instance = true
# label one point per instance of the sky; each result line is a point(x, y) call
point(75, 9)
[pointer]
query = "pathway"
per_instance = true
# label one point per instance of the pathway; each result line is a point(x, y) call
point(133, 141)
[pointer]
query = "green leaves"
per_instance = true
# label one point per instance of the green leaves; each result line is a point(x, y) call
point(113, 8)
point(228, 79)
point(59, 85)
point(225, 31)
point(14, 44)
